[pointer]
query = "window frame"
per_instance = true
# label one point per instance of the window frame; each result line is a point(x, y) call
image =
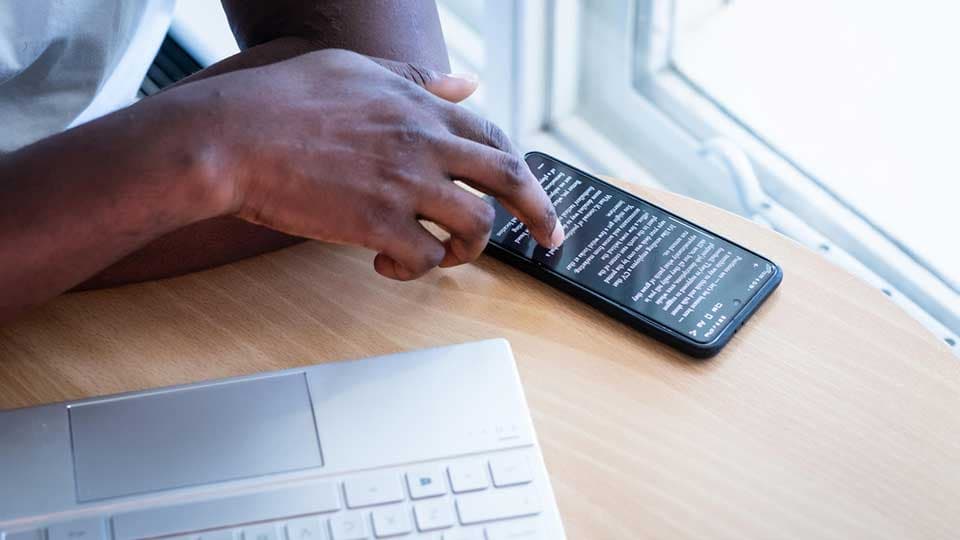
point(545, 102)
point(786, 182)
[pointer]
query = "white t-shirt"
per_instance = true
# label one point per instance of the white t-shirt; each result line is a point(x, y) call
point(65, 62)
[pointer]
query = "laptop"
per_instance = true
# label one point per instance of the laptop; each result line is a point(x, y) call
point(433, 444)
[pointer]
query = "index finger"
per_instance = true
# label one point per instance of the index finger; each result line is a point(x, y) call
point(470, 126)
point(506, 177)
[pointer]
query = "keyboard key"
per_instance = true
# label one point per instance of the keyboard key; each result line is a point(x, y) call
point(498, 504)
point(306, 529)
point(266, 531)
point(433, 515)
point(522, 529)
point(194, 516)
point(510, 470)
point(391, 521)
point(464, 534)
point(426, 482)
point(372, 489)
point(468, 476)
point(81, 529)
point(349, 527)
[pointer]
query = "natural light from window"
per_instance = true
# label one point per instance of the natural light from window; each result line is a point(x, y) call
point(861, 94)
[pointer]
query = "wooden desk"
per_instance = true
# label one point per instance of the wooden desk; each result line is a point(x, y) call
point(830, 415)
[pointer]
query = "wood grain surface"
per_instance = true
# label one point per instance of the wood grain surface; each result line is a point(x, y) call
point(830, 415)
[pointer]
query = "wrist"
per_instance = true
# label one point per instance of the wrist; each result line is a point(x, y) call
point(192, 156)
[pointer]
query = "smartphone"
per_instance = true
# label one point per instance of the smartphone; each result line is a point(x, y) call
point(655, 271)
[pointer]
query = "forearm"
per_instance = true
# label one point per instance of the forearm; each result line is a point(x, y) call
point(74, 203)
point(401, 30)
point(199, 246)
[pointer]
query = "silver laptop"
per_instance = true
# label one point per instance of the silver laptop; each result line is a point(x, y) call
point(431, 444)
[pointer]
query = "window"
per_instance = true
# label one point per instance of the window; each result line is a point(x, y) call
point(861, 99)
point(828, 122)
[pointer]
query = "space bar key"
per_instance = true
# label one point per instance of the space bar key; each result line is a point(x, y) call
point(229, 511)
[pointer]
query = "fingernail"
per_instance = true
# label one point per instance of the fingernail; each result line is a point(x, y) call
point(466, 76)
point(557, 236)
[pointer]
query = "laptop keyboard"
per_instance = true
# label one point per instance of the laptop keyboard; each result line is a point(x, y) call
point(488, 497)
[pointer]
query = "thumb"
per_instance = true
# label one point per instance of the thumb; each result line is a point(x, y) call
point(454, 87)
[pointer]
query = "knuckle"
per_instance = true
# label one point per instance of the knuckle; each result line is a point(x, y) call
point(482, 219)
point(406, 182)
point(378, 219)
point(377, 236)
point(411, 133)
point(433, 256)
point(513, 172)
point(495, 136)
point(416, 74)
point(547, 219)
point(426, 259)
point(337, 58)
point(336, 54)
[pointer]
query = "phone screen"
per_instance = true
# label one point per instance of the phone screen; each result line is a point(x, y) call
point(638, 255)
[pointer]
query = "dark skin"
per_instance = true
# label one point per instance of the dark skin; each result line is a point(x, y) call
point(404, 31)
point(274, 144)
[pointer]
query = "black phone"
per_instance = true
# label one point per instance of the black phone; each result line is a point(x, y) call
point(631, 259)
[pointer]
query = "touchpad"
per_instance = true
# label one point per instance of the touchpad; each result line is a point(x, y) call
point(192, 436)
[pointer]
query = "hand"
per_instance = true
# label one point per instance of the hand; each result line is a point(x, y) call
point(334, 146)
